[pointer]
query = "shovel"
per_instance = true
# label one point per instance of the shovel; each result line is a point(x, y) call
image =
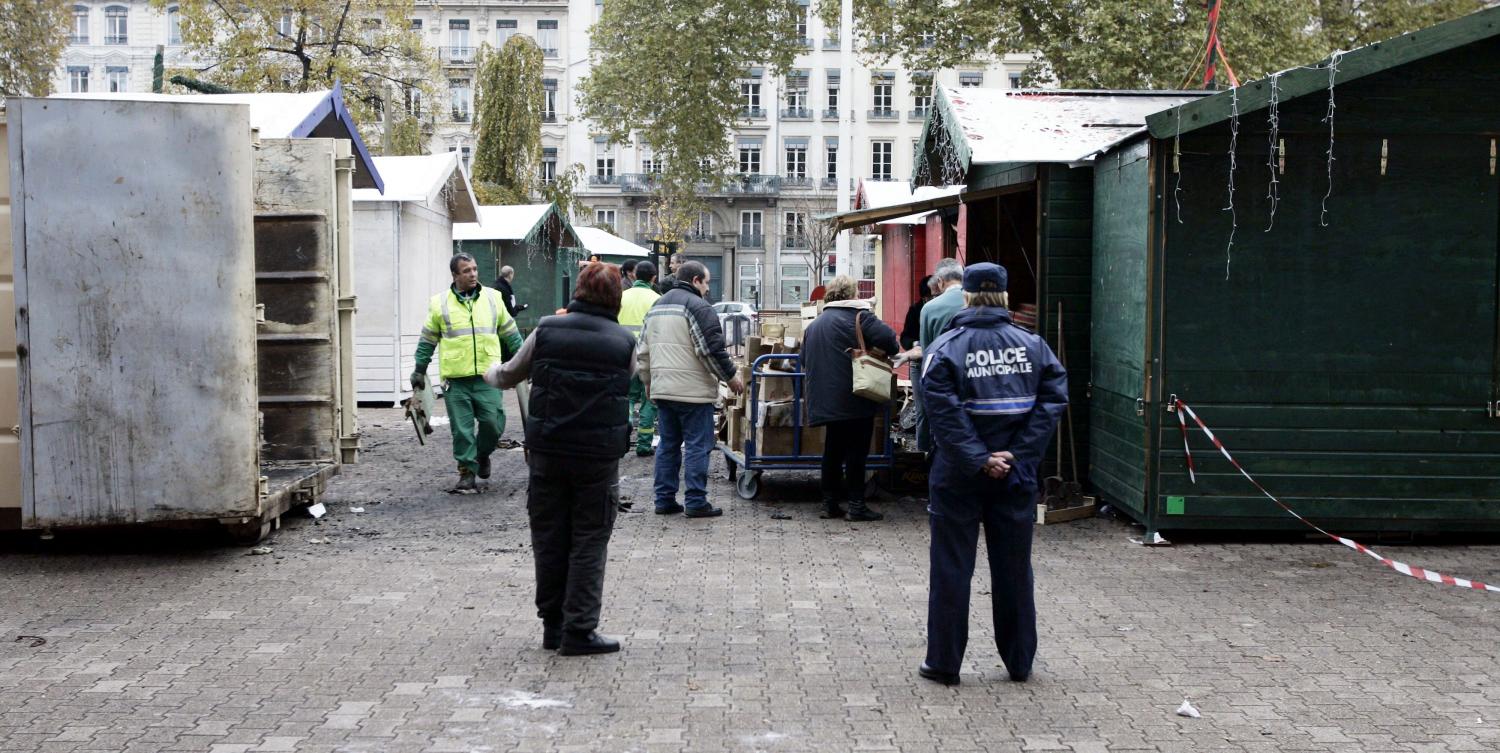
point(419, 411)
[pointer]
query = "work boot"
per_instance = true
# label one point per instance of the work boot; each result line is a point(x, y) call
point(832, 510)
point(861, 513)
point(552, 635)
point(938, 676)
point(644, 451)
point(466, 482)
point(484, 467)
point(583, 644)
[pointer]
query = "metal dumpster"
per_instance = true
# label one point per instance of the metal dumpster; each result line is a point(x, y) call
point(182, 316)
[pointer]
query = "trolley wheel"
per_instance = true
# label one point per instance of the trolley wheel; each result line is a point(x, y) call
point(733, 467)
point(748, 484)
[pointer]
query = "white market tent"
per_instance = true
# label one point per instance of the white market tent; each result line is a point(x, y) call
point(604, 243)
point(502, 223)
point(402, 244)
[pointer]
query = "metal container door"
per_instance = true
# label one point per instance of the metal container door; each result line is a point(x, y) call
point(135, 310)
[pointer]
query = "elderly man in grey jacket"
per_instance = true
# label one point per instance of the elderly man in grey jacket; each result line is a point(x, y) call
point(682, 360)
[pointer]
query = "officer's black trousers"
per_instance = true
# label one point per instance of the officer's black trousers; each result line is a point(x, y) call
point(1007, 520)
point(572, 514)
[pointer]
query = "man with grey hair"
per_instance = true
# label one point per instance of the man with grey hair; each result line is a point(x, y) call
point(470, 328)
point(507, 293)
point(937, 314)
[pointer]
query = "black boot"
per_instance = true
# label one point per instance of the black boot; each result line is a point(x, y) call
point(860, 513)
point(832, 510)
point(582, 644)
point(484, 467)
point(552, 635)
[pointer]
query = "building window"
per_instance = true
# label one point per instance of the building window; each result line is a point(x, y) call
point(794, 230)
point(802, 22)
point(505, 28)
point(116, 25)
point(466, 153)
point(1015, 80)
point(750, 99)
point(796, 284)
point(646, 226)
point(416, 24)
point(174, 25)
point(750, 284)
point(921, 94)
point(462, 99)
point(703, 227)
point(751, 230)
point(116, 79)
point(459, 50)
point(880, 164)
point(546, 38)
point(80, 33)
point(796, 161)
point(796, 95)
point(749, 159)
point(605, 218)
point(413, 100)
point(549, 100)
point(604, 162)
point(548, 171)
point(78, 78)
point(832, 112)
point(649, 164)
point(285, 25)
point(970, 78)
point(881, 102)
point(831, 162)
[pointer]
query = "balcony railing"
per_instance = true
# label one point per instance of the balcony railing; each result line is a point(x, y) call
point(793, 242)
point(805, 42)
point(734, 185)
point(753, 113)
point(459, 116)
point(831, 113)
point(752, 240)
point(832, 44)
point(796, 181)
point(549, 117)
point(116, 39)
point(78, 39)
point(796, 113)
point(603, 180)
point(456, 55)
point(884, 114)
point(693, 236)
point(829, 183)
point(919, 113)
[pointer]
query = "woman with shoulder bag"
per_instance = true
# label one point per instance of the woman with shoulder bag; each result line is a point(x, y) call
point(846, 340)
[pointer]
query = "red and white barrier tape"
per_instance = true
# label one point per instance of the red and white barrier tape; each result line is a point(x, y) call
point(1400, 567)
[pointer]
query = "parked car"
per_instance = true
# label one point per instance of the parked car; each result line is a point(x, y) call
point(727, 309)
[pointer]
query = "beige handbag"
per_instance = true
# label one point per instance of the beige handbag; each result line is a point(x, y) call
point(873, 374)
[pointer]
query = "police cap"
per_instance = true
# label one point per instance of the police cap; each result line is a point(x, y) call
point(984, 277)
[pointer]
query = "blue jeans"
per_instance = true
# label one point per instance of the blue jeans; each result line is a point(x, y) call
point(685, 429)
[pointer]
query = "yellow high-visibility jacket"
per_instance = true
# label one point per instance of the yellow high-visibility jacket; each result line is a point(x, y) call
point(470, 333)
point(634, 303)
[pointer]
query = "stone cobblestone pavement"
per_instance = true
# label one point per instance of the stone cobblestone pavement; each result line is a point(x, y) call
point(409, 627)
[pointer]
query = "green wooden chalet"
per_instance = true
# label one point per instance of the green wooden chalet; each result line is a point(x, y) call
point(1025, 162)
point(1309, 261)
point(535, 239)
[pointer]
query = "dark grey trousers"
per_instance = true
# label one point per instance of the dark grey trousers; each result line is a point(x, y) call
point(572, 514)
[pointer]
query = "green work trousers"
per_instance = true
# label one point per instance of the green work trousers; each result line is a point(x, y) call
point(645, 419)
point(471, 401)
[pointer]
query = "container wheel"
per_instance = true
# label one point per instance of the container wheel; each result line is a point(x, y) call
point(248, 534)
point(748, 485)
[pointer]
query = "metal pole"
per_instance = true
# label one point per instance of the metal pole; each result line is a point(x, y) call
point(846, 131)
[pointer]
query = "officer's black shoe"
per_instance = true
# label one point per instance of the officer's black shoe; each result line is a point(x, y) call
point(552, 635)
point(860, 513)
point(583, 644)
point(937, 676)
point(832, 510)
point(484, 467)
point(705, 512)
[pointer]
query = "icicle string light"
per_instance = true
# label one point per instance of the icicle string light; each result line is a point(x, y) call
point(1273, 190)
point(1234, 141)
point(1333, 70)
point(1177, 165)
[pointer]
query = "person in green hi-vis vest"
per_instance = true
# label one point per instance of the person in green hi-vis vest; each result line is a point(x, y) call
point(636, 301)
point(469, 326)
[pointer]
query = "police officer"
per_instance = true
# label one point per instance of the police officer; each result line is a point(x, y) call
point(993, 393)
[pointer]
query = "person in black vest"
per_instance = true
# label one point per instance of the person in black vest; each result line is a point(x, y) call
point(580, 364)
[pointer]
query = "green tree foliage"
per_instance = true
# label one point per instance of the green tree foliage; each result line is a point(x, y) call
point(508, 122)
point(406, 137)
point(666, 72)
point(32, 36)
point(306, 45)
point(1131, 43)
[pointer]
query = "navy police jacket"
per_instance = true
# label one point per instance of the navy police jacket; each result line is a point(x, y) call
point(988, 386)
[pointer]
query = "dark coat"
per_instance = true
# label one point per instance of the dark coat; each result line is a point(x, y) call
point(507, 294)
point(580, 378)
point(828, 387)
